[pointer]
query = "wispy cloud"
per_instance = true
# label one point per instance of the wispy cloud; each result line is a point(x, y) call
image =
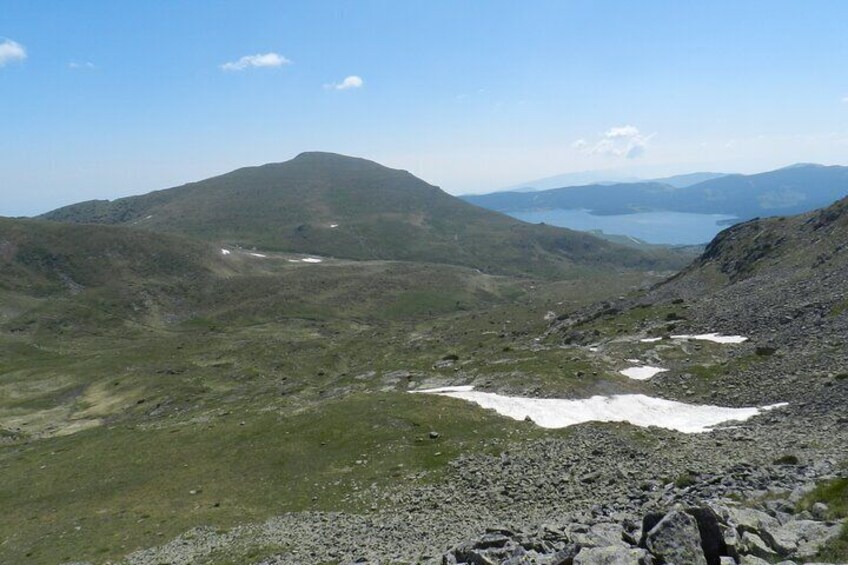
point(620, 141)
point(256, 61)
point(622, 132)
point(352, 81)
point(11, 51)
point(84, 65)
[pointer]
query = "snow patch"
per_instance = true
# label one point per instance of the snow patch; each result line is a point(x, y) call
point(225, 251)
point(632, 360)
point(446, 389)
point(260, 255)
point(636, 409)
point(714, 337)
point(311, 260)
point(334, 225)
point(641, 373)
point(650, 339)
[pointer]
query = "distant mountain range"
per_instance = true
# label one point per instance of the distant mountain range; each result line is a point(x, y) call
point(339, 206)
point(682, 181)
point(605, 178)
point(789, 190)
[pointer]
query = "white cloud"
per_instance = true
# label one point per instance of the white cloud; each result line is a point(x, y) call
point(11, 51)
point(258, 60)
point(621, 131)
point(620, 141)
point(352, 81)
point(83, 65)
point(845, 99)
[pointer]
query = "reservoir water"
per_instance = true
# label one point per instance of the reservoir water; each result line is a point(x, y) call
point(675, 228)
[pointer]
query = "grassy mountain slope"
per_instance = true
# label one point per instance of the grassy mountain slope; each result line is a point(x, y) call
point(71, 277)
point(58, 278)
point(790, 190)
point(245, 386)
point(340, 206)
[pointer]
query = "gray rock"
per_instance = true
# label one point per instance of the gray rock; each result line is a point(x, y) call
point(752, 560)
point(731, 541)
point(600, 535)
point(752, 544)
point(612, 556)
point(471, 557)
point(819, 511)
point(750, 520)
point(676, 539)
point(802, 538)
point(710, 529)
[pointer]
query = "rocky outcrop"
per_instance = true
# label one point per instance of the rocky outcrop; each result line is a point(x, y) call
point(710, 534)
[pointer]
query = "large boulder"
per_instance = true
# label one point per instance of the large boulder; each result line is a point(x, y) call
point(675, 540)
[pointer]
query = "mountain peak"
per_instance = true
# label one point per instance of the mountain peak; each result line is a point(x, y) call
point(802, 166)
point(324, 157)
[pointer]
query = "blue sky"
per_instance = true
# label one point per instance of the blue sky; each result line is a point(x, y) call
point(100, 99)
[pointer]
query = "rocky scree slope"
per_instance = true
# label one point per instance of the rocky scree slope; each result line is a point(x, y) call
point(780, 279)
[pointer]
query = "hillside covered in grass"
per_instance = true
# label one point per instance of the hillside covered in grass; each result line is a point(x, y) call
point(339, 206)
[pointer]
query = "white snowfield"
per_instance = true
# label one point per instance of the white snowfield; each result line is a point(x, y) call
point(714, 337)
point(637, 409)
point(641, 373)
point(306, 260)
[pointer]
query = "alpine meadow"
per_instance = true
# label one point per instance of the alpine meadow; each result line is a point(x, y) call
point(481, 283)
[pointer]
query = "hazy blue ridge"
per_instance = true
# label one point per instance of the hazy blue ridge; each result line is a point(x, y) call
point(790, 190)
